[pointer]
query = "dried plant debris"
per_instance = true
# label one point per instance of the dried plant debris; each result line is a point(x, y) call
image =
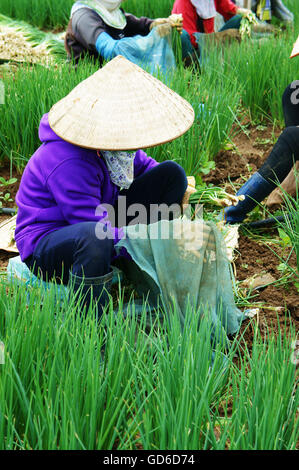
point(258, 281)
point(20, 42)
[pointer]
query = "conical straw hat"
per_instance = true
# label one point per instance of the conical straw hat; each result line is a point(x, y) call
point(295, 50)
point(121, 107)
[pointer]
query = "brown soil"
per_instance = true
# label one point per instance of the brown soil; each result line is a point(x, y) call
point(248, 155)
point(278, 304)
point(4, 258)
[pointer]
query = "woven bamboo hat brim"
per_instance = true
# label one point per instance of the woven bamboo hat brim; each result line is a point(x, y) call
point(295, 50)
point(121, 107)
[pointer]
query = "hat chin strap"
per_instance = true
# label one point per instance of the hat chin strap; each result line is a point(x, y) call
point(110, 5)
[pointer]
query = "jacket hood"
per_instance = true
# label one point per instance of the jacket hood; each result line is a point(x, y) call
point(45, 133)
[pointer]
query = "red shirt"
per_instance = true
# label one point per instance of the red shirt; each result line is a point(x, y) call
point(226, 8)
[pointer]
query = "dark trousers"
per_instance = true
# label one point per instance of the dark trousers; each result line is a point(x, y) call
point(75, 249)
point(286, 150)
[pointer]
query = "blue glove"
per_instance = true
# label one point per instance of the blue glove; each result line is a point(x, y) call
point(105, 46)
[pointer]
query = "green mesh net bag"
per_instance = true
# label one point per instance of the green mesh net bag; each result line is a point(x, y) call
point(183, 263)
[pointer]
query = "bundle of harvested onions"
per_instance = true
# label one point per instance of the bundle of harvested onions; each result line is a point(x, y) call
point(214, 196)
point(21, 42)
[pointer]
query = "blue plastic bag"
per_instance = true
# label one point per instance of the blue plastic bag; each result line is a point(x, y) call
point(151, 52)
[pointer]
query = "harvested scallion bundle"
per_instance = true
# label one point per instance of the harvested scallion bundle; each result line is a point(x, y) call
point(246, 24)
point(215, 196)
point(177, 46)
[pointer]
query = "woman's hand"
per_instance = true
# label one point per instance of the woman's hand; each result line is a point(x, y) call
point(244, 12)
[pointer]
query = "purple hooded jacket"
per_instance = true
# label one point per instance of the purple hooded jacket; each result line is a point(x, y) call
point(62, 185)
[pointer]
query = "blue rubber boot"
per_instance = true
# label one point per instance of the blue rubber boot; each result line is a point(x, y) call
point(92, 288)
point(254, 190)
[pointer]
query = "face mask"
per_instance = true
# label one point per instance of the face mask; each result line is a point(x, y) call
point(120, 166)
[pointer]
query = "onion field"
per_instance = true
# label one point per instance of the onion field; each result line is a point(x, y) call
point(134, 382)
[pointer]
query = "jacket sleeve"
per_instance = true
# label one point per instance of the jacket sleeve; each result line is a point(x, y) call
point(137, 25)
point(226, 8)
point(86, 26)
point(143, 163)
point(77, 192)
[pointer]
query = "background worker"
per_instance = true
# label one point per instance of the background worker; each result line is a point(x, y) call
point(264, 9)
point(97, 28)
